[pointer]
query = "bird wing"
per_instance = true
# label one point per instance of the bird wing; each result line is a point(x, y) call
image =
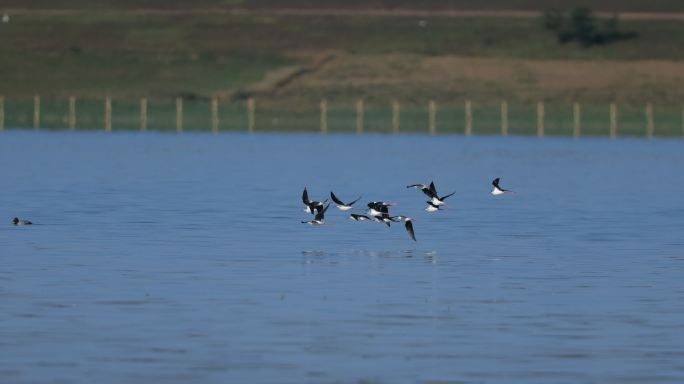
point(444, 197)
point(352, 203)
point(415, 186)
point(496, 182)
point(335, 199)
point(305, 197)
point(409, 229)
point(433, 190)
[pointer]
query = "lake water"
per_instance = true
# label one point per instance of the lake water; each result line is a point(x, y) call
point(181, 258)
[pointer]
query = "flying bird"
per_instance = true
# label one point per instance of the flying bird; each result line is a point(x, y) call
point(433, 207)
point(312, 206)
point(435, 199)
point(17, 221)
point(408, 224)
point(318, 219)
point(498, 190)
point(375, 208)
point(341, 205)
point(356, 217)
point(384, 216)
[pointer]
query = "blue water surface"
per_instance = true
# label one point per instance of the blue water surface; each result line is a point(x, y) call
point(181, 258)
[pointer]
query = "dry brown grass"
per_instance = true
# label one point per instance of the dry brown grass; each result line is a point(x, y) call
point(379, 77)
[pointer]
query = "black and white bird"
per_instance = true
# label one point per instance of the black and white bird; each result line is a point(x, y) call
point(498, 190)
point(312, 206)
point(17, 221)
point(434, 198)
point(356, 217)
point(408, 224)
point(384, 216)
point(376, 208)
point(318, 219)
point(341, 205)
point(433, 207)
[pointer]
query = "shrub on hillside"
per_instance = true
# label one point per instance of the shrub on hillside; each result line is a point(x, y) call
point(583, 27)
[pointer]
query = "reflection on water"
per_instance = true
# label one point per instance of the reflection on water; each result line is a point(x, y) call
point(160, 258)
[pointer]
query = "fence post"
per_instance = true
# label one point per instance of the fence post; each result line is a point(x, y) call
point(250, 115)
point(649, 120)
point(359, 116)
point(108, 114)
point(72, 113)
point(324, 116)
point(468, 118)
point(540, 118)
point(613, 120)
point(395, 116)
point(143, 114)
point(36, 112)
point(504, 118)
point(432, 109)
point(577, 113)
point(2, 113)
point(214, 115)
point(179, 115)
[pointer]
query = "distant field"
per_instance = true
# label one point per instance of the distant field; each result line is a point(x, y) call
point(164, 56)
point(128, 55)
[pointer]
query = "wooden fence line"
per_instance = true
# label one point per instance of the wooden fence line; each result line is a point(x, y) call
point(504, 118)
point(324, 116)
point(2, 113)
point(649, 120)
point(540, 118)
point(108, 114)
point(468, 118)
point(577, 119)
point(359, 116)
point(214, 115)
point(395, 116)
point(143, 114)
point(432, 119)
point(250, 115)
point(36, 112)
point(179, 115)
point(72, 113)
point(613, 120)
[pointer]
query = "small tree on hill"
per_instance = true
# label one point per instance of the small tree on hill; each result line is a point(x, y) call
point(584, 28)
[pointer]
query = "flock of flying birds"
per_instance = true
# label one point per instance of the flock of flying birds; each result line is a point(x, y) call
point(378, 211)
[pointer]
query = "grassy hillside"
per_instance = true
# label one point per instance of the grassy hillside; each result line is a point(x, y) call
point(201, 49)
point(168, 55)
